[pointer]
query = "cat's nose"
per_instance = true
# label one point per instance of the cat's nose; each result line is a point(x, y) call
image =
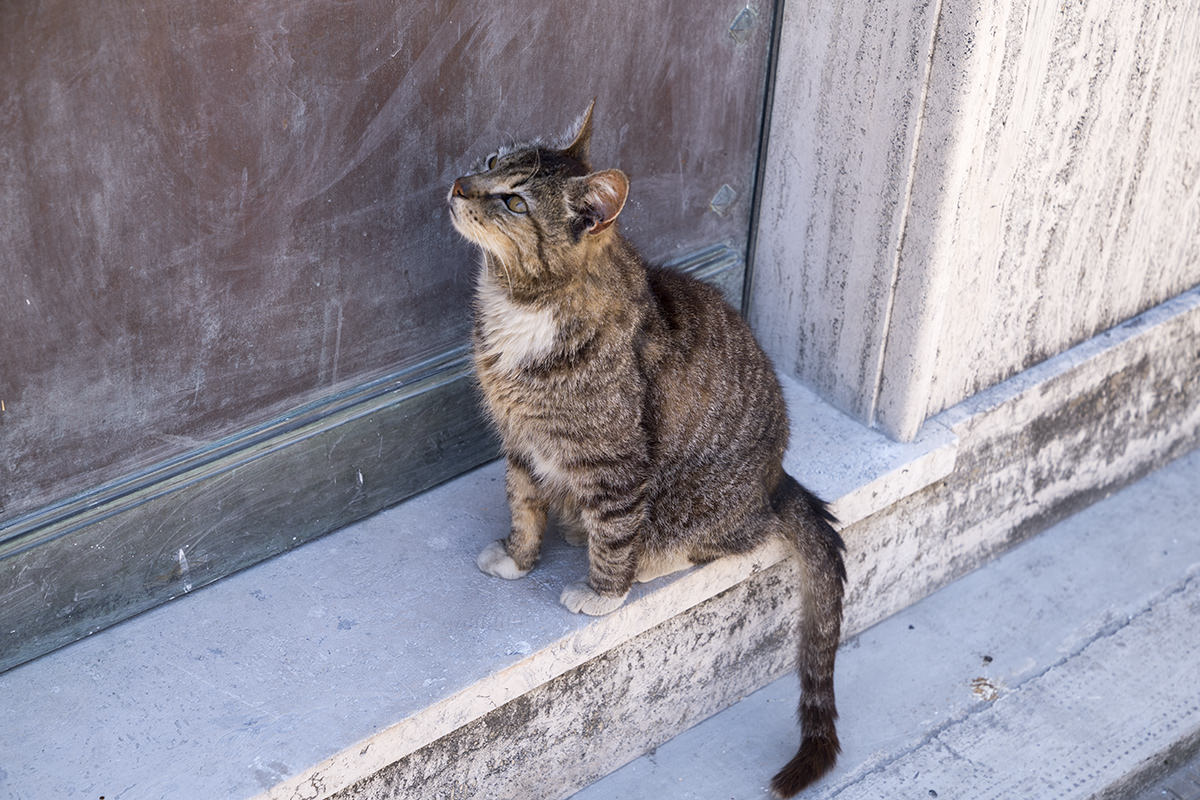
point(457, 189)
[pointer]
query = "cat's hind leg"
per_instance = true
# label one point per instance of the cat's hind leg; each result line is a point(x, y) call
point(570, 523)
point(651, 567)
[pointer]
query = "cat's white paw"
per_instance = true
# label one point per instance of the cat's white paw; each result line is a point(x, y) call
point(582, 599)
point(495, 560)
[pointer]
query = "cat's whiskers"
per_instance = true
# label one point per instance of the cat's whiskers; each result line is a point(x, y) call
point(504, 266)
point(516, 249)
point(507, 275)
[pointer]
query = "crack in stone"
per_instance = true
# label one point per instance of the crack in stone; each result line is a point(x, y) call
point(982, 768)
point(1111, 629)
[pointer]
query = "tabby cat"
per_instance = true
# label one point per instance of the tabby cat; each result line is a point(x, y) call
point(634, 403)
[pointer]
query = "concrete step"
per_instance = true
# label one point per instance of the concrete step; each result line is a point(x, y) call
point(316, 670)
point(1067, 668)
point(1181, 781)
point(378, 662)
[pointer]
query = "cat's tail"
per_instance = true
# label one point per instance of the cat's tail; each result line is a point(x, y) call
point(808, 525)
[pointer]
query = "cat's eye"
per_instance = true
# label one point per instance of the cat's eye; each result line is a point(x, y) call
point(491, 161)
point(516, 204)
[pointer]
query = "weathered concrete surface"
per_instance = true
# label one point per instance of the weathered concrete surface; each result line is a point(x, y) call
point(1029, 453)
point(1037, 448)
point(1078, 727)
point(954, 192)
point(579, 726)
point(1056, 190)
point(312, 672)
point(1064, 669)
point(1182, 778)
point(328, 664)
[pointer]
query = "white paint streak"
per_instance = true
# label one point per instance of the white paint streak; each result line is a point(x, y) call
point(183, 570)
point(337, 343)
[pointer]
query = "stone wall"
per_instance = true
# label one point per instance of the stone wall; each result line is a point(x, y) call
point(955, 192)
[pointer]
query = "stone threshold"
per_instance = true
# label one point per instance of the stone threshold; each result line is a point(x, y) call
point(860, 470)
point(304, 674)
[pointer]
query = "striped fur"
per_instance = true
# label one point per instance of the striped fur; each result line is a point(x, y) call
point(636, 404)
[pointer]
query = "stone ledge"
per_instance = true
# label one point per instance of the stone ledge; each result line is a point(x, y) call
point(325, 667)
point(1030, 454)
point(860, 470)
point(391, 609)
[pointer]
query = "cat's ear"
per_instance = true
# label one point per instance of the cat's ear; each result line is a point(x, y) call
point(604, 196)
point(578, 148)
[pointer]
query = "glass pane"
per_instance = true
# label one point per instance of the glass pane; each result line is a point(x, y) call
point(218, 211)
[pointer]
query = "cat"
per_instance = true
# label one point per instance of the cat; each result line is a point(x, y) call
point(636, 404)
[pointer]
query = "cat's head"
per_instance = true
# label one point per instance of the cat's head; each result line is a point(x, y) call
point(537, 209)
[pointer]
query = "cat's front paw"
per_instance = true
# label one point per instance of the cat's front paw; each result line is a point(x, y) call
point(495, 560)
point(582, 599)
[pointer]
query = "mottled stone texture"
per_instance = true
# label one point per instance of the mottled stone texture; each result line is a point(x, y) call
point(956, 191)
point(1034, 450)
point(843, 129)
point(1060, 148)
point(588, 721)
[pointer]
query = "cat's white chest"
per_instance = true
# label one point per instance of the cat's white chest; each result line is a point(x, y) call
point(545, 467)
point(516, 335)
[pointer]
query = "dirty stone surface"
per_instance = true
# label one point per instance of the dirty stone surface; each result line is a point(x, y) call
point(1181, 782)
point(311, 670)
point(1064, 669)
point(306, 675)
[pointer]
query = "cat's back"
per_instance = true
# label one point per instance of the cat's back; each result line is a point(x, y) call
point(714, 412)
point(695, 320)
point(706, 370)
